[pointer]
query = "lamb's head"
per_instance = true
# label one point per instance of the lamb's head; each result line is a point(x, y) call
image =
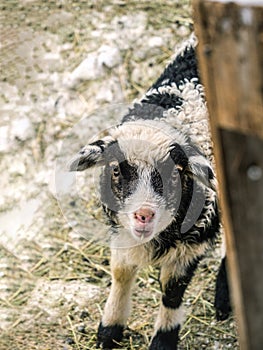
point(148, 168)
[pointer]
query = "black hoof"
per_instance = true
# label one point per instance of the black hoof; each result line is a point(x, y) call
point(109, 336)
point(165, 340)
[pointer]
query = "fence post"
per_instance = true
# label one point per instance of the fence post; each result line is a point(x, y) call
point(230, 54)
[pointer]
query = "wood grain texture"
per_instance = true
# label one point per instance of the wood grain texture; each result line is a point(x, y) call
point(230, 55)
point(232, 44)
point(243, 168)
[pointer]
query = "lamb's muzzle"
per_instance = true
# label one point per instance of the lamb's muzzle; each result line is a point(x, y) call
point(143, 226)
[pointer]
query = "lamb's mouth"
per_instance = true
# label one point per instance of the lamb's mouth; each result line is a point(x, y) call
point(142, 233)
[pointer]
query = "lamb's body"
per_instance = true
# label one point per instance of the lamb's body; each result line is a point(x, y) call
point(159, 192)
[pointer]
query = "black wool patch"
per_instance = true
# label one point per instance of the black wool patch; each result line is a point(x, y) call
point(165, 340)
point(183, 67)
point(99, 143)
point(178, 155)
point(144, 111)
point(222, 298)
point(174, 290)
point(164, 100)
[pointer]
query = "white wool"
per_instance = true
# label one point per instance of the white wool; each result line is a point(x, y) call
point(192, 117)
point(147, 140)
point(168, 319)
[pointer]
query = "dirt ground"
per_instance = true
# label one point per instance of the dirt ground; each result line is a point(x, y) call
point(68, 70)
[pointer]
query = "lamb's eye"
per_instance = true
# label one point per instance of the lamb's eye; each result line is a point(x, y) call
point(116, 172)
point(115, 169)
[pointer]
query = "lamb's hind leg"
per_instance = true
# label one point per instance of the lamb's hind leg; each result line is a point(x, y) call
point(222, 300)
point(171, 313)
point(117, 306)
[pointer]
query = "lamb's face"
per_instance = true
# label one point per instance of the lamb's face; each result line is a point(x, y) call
point(144, 167)
point(144, 196)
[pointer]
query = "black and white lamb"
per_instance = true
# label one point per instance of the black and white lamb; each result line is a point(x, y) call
point(158, 190)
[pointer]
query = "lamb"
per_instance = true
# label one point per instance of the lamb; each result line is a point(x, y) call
point(158, 190)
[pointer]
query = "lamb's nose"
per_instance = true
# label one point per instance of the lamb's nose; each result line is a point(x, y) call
point(144, 215)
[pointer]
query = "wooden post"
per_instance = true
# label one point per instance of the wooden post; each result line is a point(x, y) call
point(230, 54)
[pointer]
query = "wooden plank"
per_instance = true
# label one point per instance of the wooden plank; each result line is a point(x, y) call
point(243, 166)
point(230, 54)
point(232, 40)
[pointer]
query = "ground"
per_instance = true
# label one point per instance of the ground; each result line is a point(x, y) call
point(62, 61)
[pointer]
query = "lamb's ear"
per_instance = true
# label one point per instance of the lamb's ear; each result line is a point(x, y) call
point(188, 159)
point(91, 155)
point(200, 168)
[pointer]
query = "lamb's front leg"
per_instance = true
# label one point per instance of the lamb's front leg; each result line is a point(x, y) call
point(117, 306)
point(171, 313)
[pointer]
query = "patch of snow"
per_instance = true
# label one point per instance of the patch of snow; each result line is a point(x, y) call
point(21, 129)
point(4, 139)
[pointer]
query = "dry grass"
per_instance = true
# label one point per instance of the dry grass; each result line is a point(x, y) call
point(69, 320)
